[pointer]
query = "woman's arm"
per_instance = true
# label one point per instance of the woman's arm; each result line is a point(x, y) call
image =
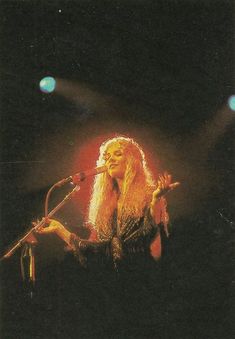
point(81, 247)
point(57, 228)
point(158, 211)
point(158, 204)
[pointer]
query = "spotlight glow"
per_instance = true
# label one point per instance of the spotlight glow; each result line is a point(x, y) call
point(231, 102)
point(47, 84)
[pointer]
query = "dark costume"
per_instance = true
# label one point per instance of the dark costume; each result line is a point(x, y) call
point(122, 281)
point(127, 242)
point(114, 291)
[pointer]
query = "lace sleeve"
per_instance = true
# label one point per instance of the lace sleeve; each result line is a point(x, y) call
point(83, 248)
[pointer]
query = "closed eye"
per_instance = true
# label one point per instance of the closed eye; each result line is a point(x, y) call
point(118, 153)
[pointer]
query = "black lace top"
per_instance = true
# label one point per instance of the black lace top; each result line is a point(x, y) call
point(126, 244)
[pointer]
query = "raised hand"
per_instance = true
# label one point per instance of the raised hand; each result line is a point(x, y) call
point(164, 185)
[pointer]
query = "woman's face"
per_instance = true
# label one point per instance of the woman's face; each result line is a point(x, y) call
point(115, 160)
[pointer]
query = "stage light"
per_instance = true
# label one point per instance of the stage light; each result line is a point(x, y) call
point(231, 102)
point(47, 84)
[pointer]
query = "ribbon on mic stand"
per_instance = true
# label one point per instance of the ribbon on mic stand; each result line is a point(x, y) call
point(27, 265)
point(27, 260)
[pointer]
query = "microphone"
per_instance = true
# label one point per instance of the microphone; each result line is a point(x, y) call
point(81, 176)
point(76, 178)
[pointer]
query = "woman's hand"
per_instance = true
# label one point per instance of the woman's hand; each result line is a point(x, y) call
point(55, 227)
point(164, 185)
point(158, 206)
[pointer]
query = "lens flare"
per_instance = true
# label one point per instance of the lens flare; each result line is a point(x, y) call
point(231, 102)
point(47, 84)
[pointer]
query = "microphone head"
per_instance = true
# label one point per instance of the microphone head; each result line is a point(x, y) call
point(83, 175)
point(101, 169)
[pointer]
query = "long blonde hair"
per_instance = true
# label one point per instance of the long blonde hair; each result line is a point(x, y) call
point(137, 189)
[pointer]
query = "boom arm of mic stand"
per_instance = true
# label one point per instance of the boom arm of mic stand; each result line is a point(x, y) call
point(40, 224)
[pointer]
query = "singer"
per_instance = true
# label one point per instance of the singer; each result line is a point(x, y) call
point(128, 216)
point(127, 209)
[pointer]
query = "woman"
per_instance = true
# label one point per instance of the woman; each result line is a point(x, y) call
point(121, 291)
point(126, 207)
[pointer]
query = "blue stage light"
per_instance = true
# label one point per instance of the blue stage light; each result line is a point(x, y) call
point(47, 84)
point(231, 102)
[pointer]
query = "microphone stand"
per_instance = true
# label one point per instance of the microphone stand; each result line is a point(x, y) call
point(29, 241)
point(27, 259)
point(40, 224)
point(75, 179)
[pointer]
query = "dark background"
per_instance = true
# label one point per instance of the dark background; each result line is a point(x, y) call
point(156, 71)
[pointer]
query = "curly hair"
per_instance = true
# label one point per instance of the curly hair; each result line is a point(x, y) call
point(137, 188)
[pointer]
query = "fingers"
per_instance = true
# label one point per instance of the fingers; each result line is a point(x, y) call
point(47, 230)
point(34, 223)
point(167, 178)
point(164, 184)
point(52, 227)
point(164, 181)
point(160, 183)
point(42, 230)
point(174, 185)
